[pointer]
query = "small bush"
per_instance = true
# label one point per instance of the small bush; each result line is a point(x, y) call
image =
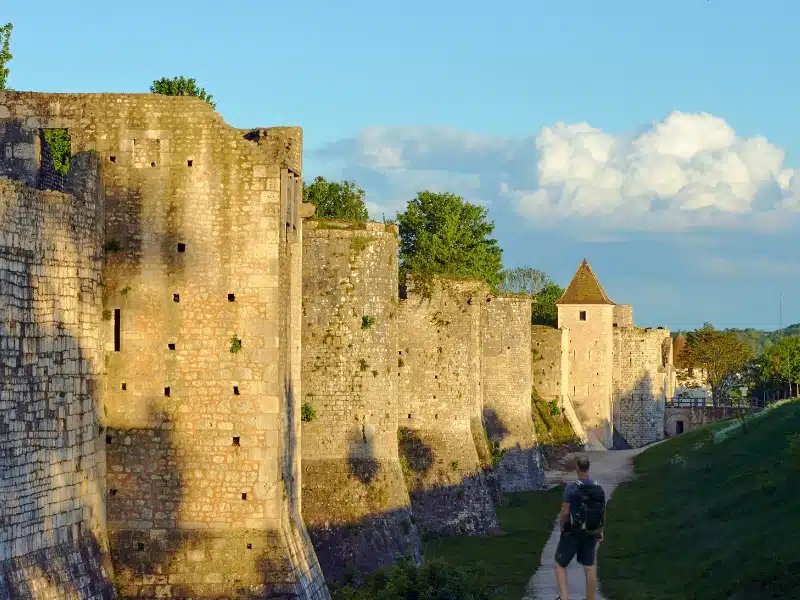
point(125, 291)
point(363, 364)
point(236, 344)
point(106, 315)
point(554, 409)
point(367, 322)
point(307, 413)
point(435, 580)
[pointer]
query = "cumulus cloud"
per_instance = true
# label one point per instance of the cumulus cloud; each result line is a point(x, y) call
point(688, 170)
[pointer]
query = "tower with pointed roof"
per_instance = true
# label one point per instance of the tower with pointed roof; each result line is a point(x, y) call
point(586, 311)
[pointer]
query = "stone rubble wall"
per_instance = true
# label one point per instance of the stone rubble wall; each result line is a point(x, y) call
point(441, 400)
point(642, 359)
point(507, 387)
point(355, 503)
point(53, 541)
point(202, 244)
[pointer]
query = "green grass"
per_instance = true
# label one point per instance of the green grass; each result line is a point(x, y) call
point(505, 563)
point(711, 521)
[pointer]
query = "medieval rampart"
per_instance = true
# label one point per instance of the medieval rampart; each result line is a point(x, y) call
point(201, 325)
point(439, 363)
point(355, 502)
point(506, 375)
point(52, 518)
point(642, 360)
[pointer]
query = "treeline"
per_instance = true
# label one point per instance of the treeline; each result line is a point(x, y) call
point(730, 360)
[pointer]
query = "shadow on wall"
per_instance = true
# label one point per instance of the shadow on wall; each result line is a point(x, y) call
point(51, 523)
point(350, 547)
point(166, 556)
point(638, 415)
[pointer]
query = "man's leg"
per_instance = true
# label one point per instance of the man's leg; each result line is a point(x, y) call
point(565, 552)
point(586, 556)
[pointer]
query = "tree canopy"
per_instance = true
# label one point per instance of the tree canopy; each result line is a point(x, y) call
point(544, 310)
point(780, 364)
point(441, 234)
point(180, 86)
point(5, 54)
point(336, 199)
point(538, 285)
point(721, 354)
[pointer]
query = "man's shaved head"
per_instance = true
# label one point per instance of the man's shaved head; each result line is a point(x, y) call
point(583, 464)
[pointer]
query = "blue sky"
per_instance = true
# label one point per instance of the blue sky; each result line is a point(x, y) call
point(659, 140)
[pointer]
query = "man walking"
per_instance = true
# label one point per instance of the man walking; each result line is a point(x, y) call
point(582, 520)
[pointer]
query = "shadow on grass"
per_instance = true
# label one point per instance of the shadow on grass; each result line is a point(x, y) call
point(506, 562)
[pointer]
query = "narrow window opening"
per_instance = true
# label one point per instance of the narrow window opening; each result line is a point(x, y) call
point(231, 297)
point(112, 492)
point(236, 390)
point(236, 441)
point(123, 386)
point(181, 247)
point(436, 416)
point(166, 392)
point(409, 415)
point(108, 439)
point(140, 546)
point(189, 162)
point(112, 159)
point(117, 330)
point(244, 495)
point(152, 164)
point(171, 346)
point(176, 297)
point(249, 546)
point(582, 315)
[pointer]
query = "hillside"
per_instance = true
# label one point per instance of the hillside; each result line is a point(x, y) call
point(758, 340)
point(710, 515)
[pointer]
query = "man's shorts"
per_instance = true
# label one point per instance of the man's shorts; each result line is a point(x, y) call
point(576, 545)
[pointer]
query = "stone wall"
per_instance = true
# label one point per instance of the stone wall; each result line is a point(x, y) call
point(642, 360)
point(549, 378)
point(355, 502)
point(53, 541)
point(203, 252)
point(623, 315)
point(439, 363)
point(507, 377)
point(692, 417)
point(591, 355)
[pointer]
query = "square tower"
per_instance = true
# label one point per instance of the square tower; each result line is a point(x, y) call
point(588, 313)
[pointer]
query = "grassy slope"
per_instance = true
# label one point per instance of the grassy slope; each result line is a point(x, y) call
point(550, 429)
point(506, 562)
point(724, 524)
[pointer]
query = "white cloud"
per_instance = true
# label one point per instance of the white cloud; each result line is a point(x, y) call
point(686, 171)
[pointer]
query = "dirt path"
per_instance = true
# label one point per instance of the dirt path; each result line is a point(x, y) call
point(609, 468)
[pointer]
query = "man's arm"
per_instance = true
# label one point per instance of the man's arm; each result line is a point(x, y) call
point(563, 516)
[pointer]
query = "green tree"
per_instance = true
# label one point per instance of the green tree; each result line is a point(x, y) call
point(180, 86)
point(5, 54)
point(721, 355)
point(524, 280)
point(780, 364)
point(544, 310)
point(441, 234)
point(336, 199)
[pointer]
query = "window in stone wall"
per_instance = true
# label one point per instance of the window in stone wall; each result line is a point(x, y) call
point(291, 197)
point(582, 315)
point(117, 330)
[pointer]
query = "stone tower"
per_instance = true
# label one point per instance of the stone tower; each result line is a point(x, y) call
point(588, 313)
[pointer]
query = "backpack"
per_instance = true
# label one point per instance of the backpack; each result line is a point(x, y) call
point(589, 516)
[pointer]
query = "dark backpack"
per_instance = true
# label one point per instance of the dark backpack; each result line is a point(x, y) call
point(588, 517)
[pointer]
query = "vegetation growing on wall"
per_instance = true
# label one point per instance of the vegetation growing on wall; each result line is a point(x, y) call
point(367, 321)
point(307, 413)
point(336, 199)
point(236, 344)
point(5, 54)
point(181, 86)
point(543, 291)
point(441, 234)
point(552, 426)
point(60, 147)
